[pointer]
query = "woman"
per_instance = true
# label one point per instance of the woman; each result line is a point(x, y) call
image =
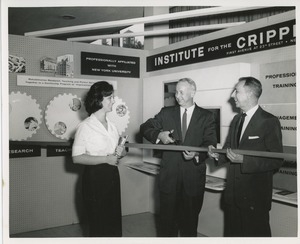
point(96, 147)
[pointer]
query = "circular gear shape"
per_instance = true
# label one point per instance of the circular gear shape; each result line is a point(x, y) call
point(25, 116)
point(119, 115)
point(63, 113)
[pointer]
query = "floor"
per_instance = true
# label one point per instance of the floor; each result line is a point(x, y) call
point(137, 225)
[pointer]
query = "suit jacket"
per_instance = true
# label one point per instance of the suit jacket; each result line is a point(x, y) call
point(201, 133)
point(250, 184)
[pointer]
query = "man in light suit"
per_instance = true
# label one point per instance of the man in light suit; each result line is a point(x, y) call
point(182, 174)
point(248, 193)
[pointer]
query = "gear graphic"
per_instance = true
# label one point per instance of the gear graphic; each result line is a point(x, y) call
point(63, 113)
point(119, 115)
point(25, 116)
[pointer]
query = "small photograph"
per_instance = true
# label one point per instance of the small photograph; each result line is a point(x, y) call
point(75, 104)
point(31, 123)
point(48, 65)
point(121, 110)
point(65, 65)
point(60, 128)
point(16, 64)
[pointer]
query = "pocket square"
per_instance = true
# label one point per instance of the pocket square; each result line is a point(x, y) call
point(253, 137)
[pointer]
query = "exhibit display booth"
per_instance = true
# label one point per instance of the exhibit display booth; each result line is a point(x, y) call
point(48, 81)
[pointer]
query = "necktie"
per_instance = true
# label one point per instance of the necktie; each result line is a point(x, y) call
point(184, 125)
point(242, 119)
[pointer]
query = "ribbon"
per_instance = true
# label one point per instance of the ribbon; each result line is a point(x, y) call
point(286, 156)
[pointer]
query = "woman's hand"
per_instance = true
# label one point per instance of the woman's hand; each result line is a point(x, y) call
point(112, 159)
point(120, 151)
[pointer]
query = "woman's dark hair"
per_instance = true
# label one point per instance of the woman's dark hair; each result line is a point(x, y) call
point(94, 97)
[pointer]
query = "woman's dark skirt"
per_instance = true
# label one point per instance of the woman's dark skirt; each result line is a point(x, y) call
point(102, 199)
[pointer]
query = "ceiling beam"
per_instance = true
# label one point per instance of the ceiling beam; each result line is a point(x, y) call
point(158, 32)
point(145, 20)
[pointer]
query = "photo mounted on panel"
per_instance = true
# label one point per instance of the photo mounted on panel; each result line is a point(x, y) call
point(65, 65)
point(61, 66)
point(31, 123)
point(16, 64)
point(48, 65)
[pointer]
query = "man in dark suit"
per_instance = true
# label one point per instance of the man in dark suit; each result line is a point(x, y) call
point(248, 193)
point(182, 174)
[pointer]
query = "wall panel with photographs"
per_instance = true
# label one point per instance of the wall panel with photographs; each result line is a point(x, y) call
point(46, 84)
point(45, 101)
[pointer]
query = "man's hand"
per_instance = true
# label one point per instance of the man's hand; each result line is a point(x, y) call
point(189, 155)
point(165, 138)
point(234, 157)
point(211, 154)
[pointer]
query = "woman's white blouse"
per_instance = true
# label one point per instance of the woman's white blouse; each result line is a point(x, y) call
point(93, 139)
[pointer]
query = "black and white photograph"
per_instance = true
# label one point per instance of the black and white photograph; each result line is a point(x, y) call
point(145, 122)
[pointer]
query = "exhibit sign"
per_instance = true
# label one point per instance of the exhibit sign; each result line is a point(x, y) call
point(54, 151)
point(110, 65)
point(260, 39)
point(287, 115)
point(46, 81)
point(279, 82)
point(24, 150)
